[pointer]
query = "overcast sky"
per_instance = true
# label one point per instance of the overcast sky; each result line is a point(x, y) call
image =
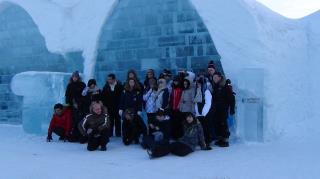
point(293, 8)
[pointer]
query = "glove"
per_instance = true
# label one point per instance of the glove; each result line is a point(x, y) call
point(120, 112)
point(206, 148)
point(139, 113)
point(49, 138)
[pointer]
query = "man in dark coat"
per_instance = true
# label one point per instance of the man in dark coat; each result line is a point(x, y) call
point(111, 97)
point(132, 127)
point(74, 98)
point(223, 102)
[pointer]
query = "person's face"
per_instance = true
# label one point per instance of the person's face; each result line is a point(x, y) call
point(110, 80)
point(216, 78)
point(131, 83)
point(198, 85)
point(131, 75)
point(211, 71)
point(150, 74)
point(58, 111)
point(75, 78)
point(189, 119)
point(185, 84)
point(176, 83)
point(167, 77)
point(92, 86)
point(97, 109)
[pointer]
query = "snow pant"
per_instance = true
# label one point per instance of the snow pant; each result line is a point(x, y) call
point(220, 124)
point(131, 134)
point(115, 123)
point(77, 116)
point(206, 129)
point(97, 139)
point(59, 131)
point(176, 148)
point(176, 125)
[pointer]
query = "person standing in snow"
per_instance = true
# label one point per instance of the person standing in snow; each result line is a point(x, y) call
point(209, 80)
point(193, 136)
point(111, 97)
point(186, 104)
point(176, 116)
point(131, 97)
point(149, 98)
point(132, 127)
point(95, 127)
point(132, 74)
point(60, 123)
point(90, 93)
point(202, 100)
point(162, 100)
point(74, 98)
point(167, 75)
point(149, 76)
point(223, 102)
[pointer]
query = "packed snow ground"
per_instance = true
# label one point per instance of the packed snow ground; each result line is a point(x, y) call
point(31, 157)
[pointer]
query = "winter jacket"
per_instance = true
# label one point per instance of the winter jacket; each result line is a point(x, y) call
point(193, 135)
point(111, 98)
point(131, 99)
point(162, 100)
point(150, 101)
point(132, 129)
point(63, 121)
point(74, 93)
point(203, 108)
point(94, 124)
point(223, 98)
point(90, 95)
point(175, 98)
point(161, 126)
point(186, 102)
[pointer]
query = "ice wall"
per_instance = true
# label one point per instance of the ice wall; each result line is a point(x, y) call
point(23, 48)
point(41, 90)
point(158, 34)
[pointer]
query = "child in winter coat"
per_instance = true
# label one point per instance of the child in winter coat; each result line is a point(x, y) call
point(186, 104)
point(96, 127)
point(60, 123)
point(149, 99)
point(132, 127)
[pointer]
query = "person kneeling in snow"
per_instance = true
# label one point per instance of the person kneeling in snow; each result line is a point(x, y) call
point(96, 127)
point(159, 131)
point(193, 136)
point(60, 123)
point(132, 127)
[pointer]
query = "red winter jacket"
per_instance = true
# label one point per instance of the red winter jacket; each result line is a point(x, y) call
point(175, 98)
point(63, 121)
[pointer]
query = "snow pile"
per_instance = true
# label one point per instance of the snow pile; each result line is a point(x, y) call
point(246, 34)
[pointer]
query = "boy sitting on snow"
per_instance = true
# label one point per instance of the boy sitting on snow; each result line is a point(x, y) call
point(159, 131)
point(60, 123)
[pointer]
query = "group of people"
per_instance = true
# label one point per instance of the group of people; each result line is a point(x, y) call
point(183, 111)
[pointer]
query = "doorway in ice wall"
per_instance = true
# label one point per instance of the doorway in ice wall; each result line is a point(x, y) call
point(23, 48)
point(158, 34)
